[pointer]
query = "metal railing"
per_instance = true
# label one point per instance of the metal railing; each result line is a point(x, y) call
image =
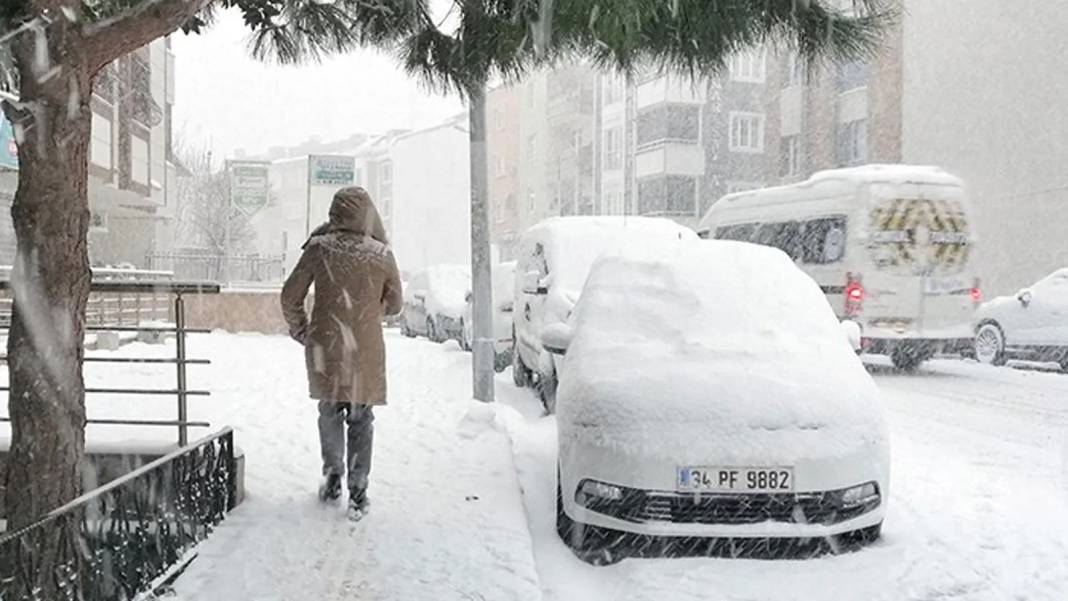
point(119, 540)
point(234, 268)
point(181, 392)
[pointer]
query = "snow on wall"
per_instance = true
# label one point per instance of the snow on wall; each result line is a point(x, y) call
point(431, 196)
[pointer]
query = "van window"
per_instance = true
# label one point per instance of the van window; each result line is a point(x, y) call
point(823, 240)
point(742, 232)
point(785, 236)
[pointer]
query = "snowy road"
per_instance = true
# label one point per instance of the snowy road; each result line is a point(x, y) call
point(978, 509)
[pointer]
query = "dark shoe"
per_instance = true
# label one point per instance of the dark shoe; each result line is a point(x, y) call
point(330, 488)
point(358, 506)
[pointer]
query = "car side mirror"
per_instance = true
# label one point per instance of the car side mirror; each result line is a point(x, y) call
point(470, 296)
point(1024, 296)
point(555, 338)
point(420, 296)
point(506, 306)
point(533, 283)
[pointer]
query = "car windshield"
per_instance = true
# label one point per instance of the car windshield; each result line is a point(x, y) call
point(586, 300)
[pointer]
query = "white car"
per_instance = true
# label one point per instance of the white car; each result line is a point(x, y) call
point(554, 259)
point(1032, 324)
point(707, 391)
point(503, 281)
point(434, 303)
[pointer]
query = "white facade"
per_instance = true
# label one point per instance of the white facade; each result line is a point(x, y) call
point(431, 196)
point(983, 96)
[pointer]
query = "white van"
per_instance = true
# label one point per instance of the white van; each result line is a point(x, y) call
point(890, 245)
point(554, 258)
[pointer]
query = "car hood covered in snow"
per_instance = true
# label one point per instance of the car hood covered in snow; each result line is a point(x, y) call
point(717, 350)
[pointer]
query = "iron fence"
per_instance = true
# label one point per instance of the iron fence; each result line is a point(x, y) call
point(117, 541)
point(219, 268)
point(181, 361)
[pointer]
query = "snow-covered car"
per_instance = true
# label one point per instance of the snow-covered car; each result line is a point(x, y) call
point(434, 303)
point(1032, 324)
point(503, 281)
point(707, 391)
point(554, 259)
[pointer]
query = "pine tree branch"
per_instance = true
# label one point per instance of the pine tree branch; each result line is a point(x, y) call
point(136, 26)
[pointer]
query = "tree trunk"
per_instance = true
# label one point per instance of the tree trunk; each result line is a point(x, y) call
point(482, 346)
point(50, 284)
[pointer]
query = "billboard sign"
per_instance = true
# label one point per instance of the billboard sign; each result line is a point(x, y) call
point(331, 170)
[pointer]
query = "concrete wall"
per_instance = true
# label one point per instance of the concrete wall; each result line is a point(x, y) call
point(985, 85)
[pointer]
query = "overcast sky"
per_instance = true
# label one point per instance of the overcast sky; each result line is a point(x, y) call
point(226, 100)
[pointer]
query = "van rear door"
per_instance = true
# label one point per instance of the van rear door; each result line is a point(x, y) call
point(920, 246)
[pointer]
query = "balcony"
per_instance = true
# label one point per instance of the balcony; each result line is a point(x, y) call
point(670, 157)
point(670, 89)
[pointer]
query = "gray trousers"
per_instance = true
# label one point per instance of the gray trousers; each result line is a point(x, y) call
point(333, 419)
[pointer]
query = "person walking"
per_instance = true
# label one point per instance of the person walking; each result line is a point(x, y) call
point(350, 264)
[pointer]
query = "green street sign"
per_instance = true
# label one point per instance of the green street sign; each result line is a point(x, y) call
point(249, 185)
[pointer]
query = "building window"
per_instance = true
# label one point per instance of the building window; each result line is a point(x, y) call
point(747, 132)
point(853, 142)
point(748, 66)
point(852, 75)
point(498, 167)
point(98, 222)
point(357, 176)
point(531, 201)
point(669, 122)
point(498, 210)
point(100, 148)
point(385, 176)
point(532, 144)
point(790, 156)
point(139, 167)
point(613, 147)
point(795, 71)
point(667, 195)
point(498, 119)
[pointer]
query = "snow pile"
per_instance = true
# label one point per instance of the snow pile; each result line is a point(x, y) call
point(720, 349)
point(572, 244)
point(447, 292)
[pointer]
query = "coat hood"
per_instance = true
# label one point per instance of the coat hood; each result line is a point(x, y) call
point(353, 211)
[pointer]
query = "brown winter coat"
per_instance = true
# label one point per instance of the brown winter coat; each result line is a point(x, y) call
point(356, 283)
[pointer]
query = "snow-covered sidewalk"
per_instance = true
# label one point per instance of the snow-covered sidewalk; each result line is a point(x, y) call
point(446, 519)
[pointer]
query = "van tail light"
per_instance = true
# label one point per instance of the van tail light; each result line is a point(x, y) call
point(976, 292)
point(854, 295)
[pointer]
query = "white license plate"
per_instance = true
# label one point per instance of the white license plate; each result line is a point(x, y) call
point(735, 479)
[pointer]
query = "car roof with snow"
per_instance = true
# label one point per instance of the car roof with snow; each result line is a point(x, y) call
point(572, 244)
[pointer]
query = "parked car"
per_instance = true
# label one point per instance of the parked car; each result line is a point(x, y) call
point(503, 283)
point(1032, 324)
point(706, 390)
point(434, 303)
point(555, 256)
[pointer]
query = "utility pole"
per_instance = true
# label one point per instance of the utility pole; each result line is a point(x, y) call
point(482, 347)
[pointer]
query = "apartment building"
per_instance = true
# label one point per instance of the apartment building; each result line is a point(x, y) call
point(132, 171)
point(503, 113)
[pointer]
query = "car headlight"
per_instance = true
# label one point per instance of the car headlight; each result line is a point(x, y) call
point(866, 494)
point(593, 491)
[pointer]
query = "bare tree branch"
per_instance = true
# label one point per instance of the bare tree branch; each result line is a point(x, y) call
point(131, 29)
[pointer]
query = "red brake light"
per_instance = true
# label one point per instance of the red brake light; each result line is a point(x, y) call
point(976, 292)
point(854, 295)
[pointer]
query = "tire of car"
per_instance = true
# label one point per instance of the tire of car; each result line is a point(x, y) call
point(851, 541)
point(406, 331)
point(1064, 363)
point(990, 344)
point(521, 374)
point(432, 331)
point(547, 392)
point(907, 359)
